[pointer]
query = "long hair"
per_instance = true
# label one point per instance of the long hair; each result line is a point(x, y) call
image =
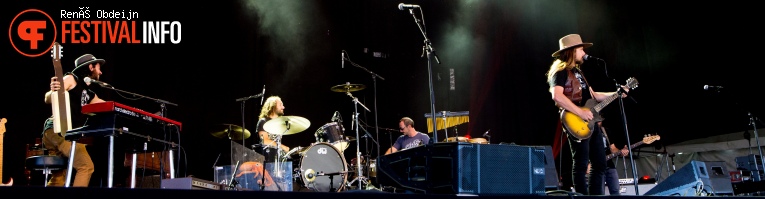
point(565, 60)
point(268, 106)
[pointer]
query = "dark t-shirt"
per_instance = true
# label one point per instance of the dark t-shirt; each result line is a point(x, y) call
point(79, 96)
point(261, 122)
point(405, 142)
point(561, 77)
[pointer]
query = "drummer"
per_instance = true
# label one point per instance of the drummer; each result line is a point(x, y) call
point(411, 138)
point(272, 108)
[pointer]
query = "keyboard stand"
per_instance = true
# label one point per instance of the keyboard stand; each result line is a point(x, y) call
point(111, 132)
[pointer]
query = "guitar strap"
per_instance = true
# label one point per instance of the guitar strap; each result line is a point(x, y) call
point(589, 87)
point(605, 135)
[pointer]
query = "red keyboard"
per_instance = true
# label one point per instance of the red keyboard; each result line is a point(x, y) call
point(124, 110)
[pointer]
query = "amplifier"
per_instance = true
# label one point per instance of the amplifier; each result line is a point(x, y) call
point(190, 183)
point(466, 168)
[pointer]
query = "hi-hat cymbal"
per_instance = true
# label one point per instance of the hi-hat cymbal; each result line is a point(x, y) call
point(233, 131)
point(287, 125)
point(348, 87)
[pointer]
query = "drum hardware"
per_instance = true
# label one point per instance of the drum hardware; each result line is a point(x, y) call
point(375, 76)
point(232, 183)
point(283, 125)
point(359, 176)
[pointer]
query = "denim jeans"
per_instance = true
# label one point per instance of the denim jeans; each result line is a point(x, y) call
point(581, 153)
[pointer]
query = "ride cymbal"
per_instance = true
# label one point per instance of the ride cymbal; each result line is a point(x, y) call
point(287, 125)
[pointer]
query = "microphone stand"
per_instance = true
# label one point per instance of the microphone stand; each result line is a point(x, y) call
point(619, 92)
point(428, 49)
point(241, 110)
point(753, 122)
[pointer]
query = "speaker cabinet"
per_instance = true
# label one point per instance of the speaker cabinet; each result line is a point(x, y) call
point(685, 182)
point(466, 168)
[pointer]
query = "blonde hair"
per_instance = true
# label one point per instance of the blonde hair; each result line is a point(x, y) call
point(565, 60)
point(268, 106)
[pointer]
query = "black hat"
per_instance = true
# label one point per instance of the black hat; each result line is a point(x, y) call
point(85, 60)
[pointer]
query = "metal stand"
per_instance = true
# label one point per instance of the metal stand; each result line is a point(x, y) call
point(374, 84)
point(360, 177)
point(428, 49)
point(110, 181)
point(627, 135)
point(753, 121)
point(243, 100)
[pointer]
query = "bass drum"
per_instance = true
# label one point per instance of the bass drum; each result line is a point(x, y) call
point(323, 168)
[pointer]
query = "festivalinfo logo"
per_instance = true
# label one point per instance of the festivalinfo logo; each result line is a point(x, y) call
point(32, 32)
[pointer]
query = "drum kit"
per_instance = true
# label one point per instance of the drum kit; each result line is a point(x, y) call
point(322, 166)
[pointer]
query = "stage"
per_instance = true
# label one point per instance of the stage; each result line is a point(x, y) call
point(127, 193)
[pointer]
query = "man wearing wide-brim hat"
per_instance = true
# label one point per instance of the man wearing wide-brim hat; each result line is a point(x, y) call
point(78, 94)
point(570, 92)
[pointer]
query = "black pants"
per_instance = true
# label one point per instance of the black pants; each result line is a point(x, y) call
point(582, 155)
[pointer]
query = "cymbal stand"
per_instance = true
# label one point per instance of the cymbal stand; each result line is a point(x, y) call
point(359, 176)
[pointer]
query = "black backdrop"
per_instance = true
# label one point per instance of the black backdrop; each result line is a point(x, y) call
point(498, 51)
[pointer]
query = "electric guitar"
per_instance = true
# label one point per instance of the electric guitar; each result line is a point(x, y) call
point(581, 129)
point(646, 140)
point(60, 99)
point(2, 133)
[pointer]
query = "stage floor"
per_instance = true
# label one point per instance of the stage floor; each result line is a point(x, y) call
point(145, 193)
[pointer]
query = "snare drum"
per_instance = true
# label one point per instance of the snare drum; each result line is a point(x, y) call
point(332, 133)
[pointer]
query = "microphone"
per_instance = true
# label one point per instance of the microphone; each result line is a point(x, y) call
point(89, 81)
point(335, 117)
point(589, 57)
point(706, 87)
point(401, 6)
point(262, 95)
point(487, 133)
point(342, 59)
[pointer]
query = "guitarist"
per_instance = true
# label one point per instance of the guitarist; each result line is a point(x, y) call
point(611, 175)
point(86, 66)
point(570, 91)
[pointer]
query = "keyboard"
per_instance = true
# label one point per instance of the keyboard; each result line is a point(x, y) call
point(112, 118)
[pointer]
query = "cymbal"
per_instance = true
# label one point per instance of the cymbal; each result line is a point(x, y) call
point(456, 139)
point(348, 87)
point(478, 140)
point(287, 125)
point(236, 132)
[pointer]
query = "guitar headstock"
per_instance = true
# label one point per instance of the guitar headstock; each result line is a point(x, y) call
point(2, 126)
point(648, 139)
point(56, 51)
point(632, 83)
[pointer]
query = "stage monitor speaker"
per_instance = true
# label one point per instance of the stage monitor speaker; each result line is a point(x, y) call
point(687, 181)
point(465, 168)
point(629, 189)
point(719, 178)
point(551, 173)
point(190, 183)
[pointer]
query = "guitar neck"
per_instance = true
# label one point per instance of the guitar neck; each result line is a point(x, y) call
point(613, 155)
point(605, 102)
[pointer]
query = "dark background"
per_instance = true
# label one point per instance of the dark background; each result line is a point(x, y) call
point(499, 51)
